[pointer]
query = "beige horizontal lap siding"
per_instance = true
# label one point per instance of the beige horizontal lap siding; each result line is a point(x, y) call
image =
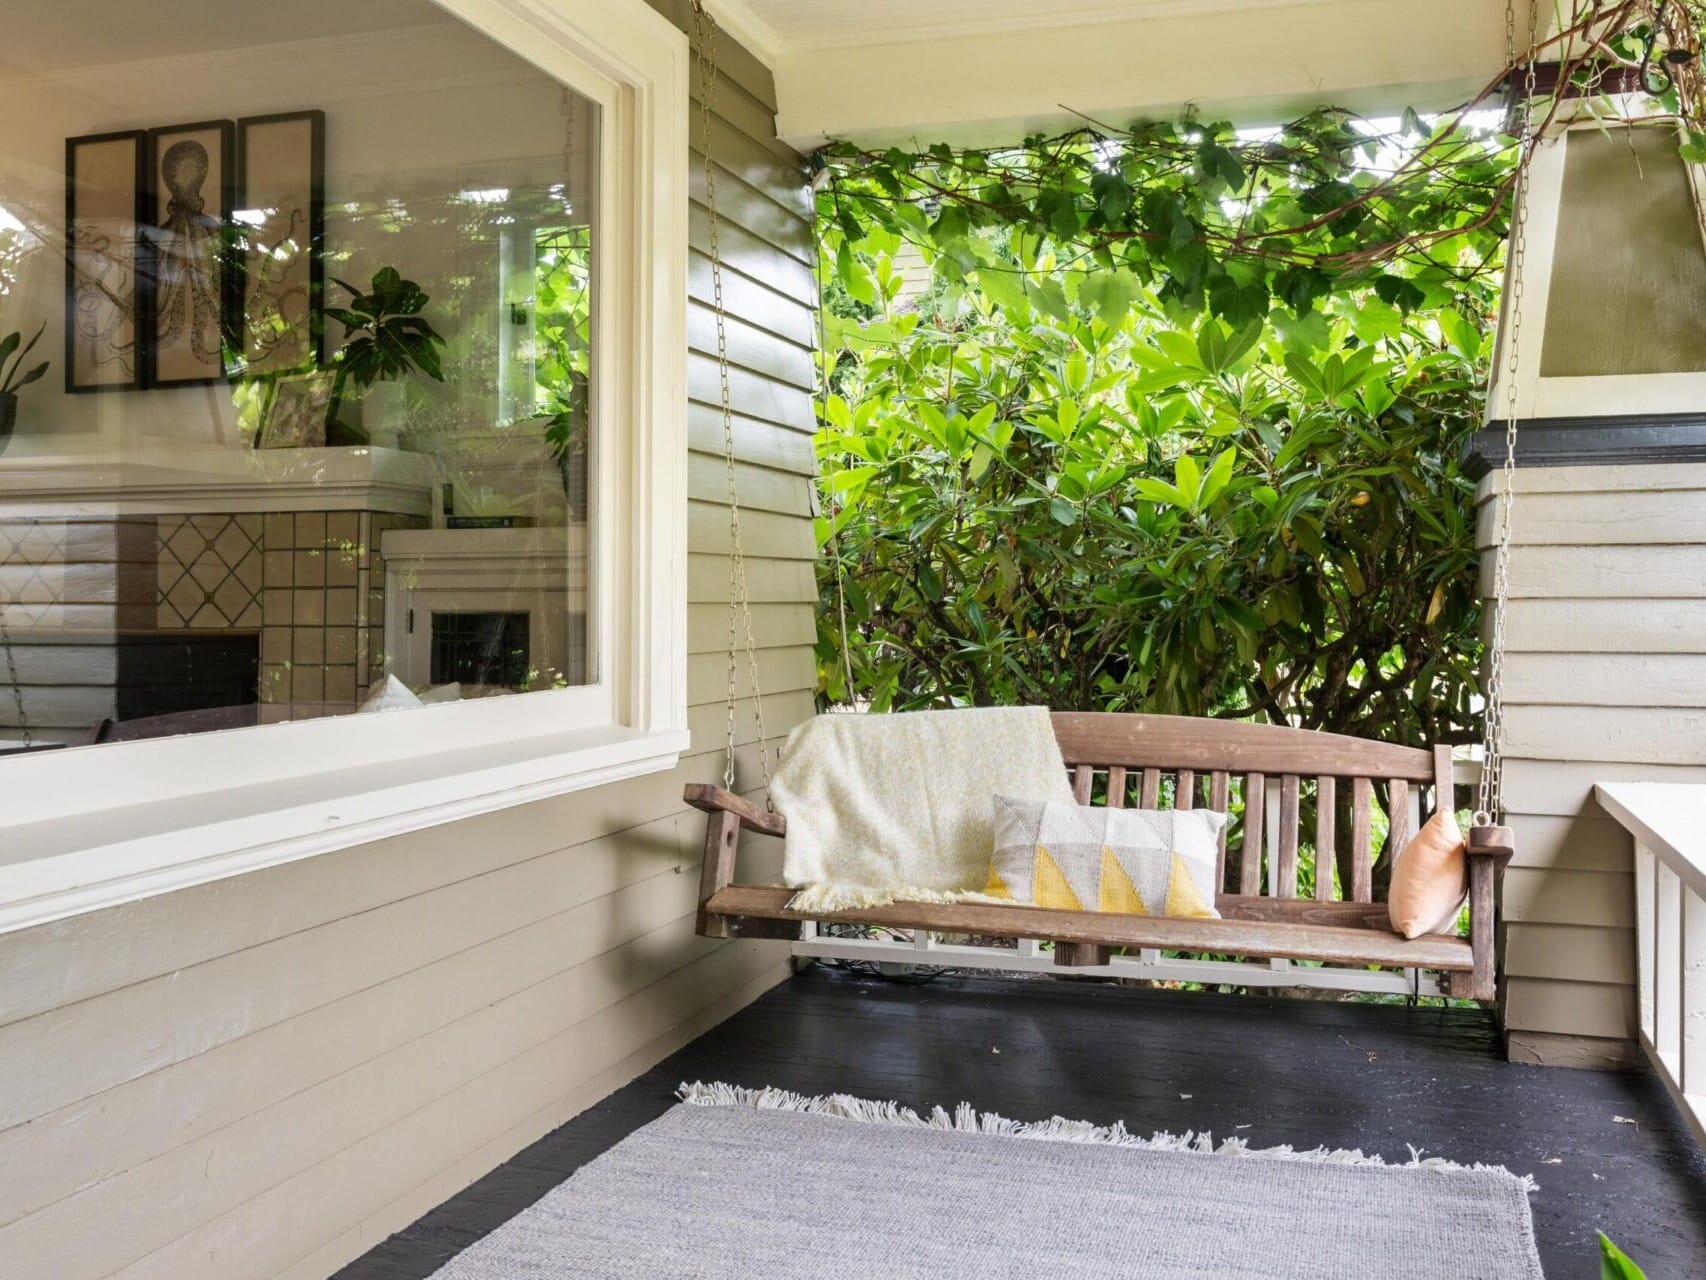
point(1605, 679)
point(266, 1075)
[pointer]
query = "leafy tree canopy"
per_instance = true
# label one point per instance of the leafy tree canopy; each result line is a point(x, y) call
point(1169, 417)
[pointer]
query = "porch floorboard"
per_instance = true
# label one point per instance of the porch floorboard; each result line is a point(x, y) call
point(1272, 1070)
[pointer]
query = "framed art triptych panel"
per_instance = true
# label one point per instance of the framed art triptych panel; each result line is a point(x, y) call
point(281, 230)
point(187, 251)
point(106, 204)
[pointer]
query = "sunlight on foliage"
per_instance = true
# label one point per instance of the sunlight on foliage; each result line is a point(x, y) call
point(1070, 489)
point(1169, 416)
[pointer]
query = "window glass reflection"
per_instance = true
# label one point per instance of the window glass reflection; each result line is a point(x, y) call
point(296, 420)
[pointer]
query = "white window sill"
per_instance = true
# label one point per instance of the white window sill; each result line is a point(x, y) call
point(74, 864)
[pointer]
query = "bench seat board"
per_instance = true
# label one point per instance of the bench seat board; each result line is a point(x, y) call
point(1332, 943)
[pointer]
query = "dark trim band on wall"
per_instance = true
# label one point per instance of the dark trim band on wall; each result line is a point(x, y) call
point(1633, 439)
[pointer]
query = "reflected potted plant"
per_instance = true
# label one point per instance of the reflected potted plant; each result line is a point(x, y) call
point(13, 378)
point(563, 283)
point(565, 436)
point(385, 339)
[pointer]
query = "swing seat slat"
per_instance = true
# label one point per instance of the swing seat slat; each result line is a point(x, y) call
point(1231, 935)
point(1133, 752)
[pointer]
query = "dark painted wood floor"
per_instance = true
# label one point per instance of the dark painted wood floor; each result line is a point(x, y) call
point(1609, 1151)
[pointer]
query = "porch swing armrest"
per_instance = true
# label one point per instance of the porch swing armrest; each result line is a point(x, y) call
point(1496, 844)
point(712, 799)
point(1490, 848)
point(729, 815)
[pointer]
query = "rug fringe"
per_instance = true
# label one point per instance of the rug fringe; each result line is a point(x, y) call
point(967, 1119)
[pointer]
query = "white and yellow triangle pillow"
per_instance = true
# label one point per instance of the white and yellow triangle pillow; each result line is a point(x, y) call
point(1147, 862)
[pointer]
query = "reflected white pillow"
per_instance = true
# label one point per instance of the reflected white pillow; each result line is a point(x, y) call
point(393, 695)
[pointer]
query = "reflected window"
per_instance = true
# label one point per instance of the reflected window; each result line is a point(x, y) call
point(316, 307)
point(482, 650)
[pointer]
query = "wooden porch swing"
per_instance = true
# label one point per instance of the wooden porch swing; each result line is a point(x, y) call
point(1148, 759)
point(1132, 755)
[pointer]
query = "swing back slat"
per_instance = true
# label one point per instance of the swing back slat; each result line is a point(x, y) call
point(1362, 832)
point(1278, 764)
point(1250, 848)
point(1326, 801)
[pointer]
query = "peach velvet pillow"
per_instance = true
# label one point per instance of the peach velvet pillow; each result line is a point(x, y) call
point(1430, 879)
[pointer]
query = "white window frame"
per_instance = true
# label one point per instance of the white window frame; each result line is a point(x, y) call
point(83, 828)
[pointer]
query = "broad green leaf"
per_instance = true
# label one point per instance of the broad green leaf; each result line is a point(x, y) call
point(1400, 292)
point(1377, 397)
point(1239, 303)
point(1077, 371)
point(1005, 287)
point(1217, 479)
point(853, 478)
point(853, 275)
point(1162, 492)
point(33, 375)
point(1049, 297)
point(1614, 1264)
point(1302, 334)
point(1067, 416)
point(1180, 349)
point(1215, 162)
point(1220, 349)
point(1187, 477)
point(1307, 374)
point(1110, 294)
point(1353, 576)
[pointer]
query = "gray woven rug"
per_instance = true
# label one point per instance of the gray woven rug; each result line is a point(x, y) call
point(739, 1184)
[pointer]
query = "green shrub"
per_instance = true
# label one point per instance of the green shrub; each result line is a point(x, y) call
point(1043, 498)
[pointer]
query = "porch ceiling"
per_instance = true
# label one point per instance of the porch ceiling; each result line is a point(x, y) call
point(974, 71)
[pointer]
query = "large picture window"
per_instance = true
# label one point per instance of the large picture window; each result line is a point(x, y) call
point(346, 352)
point(342, 439)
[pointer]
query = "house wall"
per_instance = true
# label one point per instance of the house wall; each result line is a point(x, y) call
point(266, 1075)
point(1605, 679)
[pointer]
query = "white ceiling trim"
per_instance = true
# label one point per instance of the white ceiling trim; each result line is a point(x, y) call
point(779, 43)
point(738, 19)
point(1251, 60)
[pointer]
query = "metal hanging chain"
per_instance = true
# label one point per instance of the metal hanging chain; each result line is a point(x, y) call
point(837, 501)
point(1489, 795)
point(740, 603)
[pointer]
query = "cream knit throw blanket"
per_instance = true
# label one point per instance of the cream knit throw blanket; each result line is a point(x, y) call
point(881, 807)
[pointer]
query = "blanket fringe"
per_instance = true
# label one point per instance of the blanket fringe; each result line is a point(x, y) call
point(967, 1119)
point(824, 899)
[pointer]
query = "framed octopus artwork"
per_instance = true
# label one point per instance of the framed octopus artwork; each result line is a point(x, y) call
point(106, 203)
point(194, 253)
point(281, 227)
point(190, 278)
